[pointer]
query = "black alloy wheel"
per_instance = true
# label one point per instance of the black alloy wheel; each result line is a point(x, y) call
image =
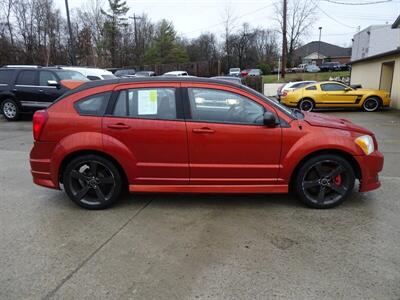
point(306, 105)
point(92, 182)
point(325, 181)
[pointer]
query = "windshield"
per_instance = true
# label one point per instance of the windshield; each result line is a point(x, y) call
point(234, 70)
point(73, 75)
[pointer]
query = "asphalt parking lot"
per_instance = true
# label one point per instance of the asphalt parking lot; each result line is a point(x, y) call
point(198, 247)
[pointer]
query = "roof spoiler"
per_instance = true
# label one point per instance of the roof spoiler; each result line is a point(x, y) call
point(72, 84)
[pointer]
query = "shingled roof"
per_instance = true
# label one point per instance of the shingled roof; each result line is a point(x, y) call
point(326, 50)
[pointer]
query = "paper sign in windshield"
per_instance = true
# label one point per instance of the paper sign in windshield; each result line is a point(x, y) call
point(147, 102)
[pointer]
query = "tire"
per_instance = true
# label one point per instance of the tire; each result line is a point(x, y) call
point(306, 104)
point(92, 182)
point(371, 104)
point(324, 181)
point(10, 110)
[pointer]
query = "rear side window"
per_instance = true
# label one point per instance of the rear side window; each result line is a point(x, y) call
point(6, 76)
point(93, 105)
point(91, 77)
point(157, 103)
point(311, 88)
point(27, 78)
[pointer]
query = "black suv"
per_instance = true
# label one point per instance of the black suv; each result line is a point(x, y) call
point(26, 89)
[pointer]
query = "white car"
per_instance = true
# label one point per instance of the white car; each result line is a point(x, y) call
point(92, 73)
point(290, 86)
point(234, 72)
point(312, 69)
point(176, 73)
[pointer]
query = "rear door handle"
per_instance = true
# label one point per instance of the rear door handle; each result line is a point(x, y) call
point(203, 130)
point(118, 126)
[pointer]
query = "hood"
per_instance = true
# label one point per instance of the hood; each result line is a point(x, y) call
point(322, 120)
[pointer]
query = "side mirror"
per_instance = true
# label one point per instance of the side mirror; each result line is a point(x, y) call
point(270, 119)
point(347, 89)
point(53, 83)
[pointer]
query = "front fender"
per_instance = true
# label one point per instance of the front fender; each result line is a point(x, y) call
point(311, 143)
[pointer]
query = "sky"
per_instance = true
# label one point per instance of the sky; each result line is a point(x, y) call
point(192, 17)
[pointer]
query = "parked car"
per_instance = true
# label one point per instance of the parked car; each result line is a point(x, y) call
point(176, 74)
point(290, 86)
point(91, 73)
point(330, 66)
point(144, 74)
point(335, 94)
point(28, 88)
point(299, 69)
point(180, 135)
point(244, 73)
point(236, 80)
point(312, 69)
point(234, 72)
point(125, 73)
point(255, 72)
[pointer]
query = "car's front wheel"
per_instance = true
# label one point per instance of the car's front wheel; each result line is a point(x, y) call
point(306, 104)
point(324, 181)
point(92, 181)
point(10, 110)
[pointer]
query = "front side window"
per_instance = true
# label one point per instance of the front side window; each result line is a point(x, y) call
point(332, 87)
point(209, 105)
point(45, 76)
point(70, 75)
point(27, 78)
point(148, 103)
point(93, 105)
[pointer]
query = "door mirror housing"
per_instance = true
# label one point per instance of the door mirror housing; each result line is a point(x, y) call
point(53, 83)
point(270, 119)
point(348, 89)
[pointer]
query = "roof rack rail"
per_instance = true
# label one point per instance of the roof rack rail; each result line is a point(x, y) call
point(22, 66)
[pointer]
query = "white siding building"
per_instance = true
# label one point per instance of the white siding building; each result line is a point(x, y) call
point(374, 40)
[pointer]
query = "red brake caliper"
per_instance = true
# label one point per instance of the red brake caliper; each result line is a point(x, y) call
point(338, 180)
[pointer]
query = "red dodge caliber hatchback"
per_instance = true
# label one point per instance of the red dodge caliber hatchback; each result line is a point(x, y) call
point(195, 135)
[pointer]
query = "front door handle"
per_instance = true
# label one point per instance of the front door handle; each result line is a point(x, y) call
point(118, 126)
point(203, 130)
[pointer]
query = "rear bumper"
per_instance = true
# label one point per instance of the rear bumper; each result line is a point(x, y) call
point(42, 166)
point(370, 166)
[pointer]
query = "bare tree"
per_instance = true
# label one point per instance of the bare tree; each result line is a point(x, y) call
point(228, 20)
point(300, 17)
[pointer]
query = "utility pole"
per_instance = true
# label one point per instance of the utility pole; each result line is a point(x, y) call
point(284, 40)
point(71, 38)
point(319, 42)
point(136, 34)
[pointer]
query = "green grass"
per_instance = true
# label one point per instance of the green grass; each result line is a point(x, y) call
point(322, 76)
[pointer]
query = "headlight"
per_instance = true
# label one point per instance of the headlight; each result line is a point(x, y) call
point(366, 143)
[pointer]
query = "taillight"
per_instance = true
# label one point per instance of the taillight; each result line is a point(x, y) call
point(284, 94)
point(39, 120)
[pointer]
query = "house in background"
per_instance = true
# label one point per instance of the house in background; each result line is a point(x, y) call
point(317, 52)
point(380, 67)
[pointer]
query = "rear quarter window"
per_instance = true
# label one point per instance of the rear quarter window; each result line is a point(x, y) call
point(311, 88)
point(94, 105)
point(6, 76)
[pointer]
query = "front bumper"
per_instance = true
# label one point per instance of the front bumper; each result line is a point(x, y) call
point(370, 166)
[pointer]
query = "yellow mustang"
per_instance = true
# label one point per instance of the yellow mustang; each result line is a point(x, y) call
point(335, 94)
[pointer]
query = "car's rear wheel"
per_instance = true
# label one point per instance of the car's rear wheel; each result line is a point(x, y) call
point(92, 182)
point(324, 181)
point(306, 104)
point(371, 104)
point(10, 110)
